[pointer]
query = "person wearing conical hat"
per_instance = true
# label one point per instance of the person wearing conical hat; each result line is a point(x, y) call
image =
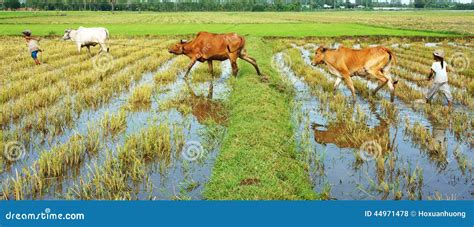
point(33, 45)
point(440, 82)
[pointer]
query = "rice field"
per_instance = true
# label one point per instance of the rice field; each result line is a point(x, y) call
point(290, 24)
point(127, 125)
point(107, 127)
point(375, 149)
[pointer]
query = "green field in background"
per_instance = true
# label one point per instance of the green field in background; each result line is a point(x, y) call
point(282, 30)
point(282, 24)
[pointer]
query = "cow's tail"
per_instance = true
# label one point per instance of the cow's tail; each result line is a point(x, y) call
point(392, 60)
point(107, 36)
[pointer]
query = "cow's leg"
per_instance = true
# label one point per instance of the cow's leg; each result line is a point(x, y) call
point(193, 94)
point(211, 69)
point(103, 47)
point(235, 68)
point(211, 86)
point(233, 62)
point(79, 46)
point(89, 50)
point(336, 84)
point(385, 79)
point(250, 60)
point(382, 83)
point(350, 85)
point(191, 64)
point(392, 90)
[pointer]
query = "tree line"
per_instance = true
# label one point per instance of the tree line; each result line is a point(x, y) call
point(219, 5)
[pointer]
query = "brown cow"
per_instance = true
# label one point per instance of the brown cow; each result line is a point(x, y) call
point(346, 62)
point(220, 47)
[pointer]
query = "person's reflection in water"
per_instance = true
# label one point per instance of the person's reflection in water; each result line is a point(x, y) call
point(441, 148)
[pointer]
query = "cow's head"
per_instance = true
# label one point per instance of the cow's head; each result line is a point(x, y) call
point(178, 48)
point(319, 55)
point(67, 34)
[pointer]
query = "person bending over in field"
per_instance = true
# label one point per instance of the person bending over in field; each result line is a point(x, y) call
point(33, 45)
point(440, 73)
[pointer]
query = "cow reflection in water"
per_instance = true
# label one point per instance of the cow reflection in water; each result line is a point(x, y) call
point(341, 136)
point(205, 109)
point(334, 134)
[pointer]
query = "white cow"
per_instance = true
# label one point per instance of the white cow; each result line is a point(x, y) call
point(86, 37)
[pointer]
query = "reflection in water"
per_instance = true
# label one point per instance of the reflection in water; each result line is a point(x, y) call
point(439, 136)
point(407, 170)
point(341, 135)
point(205, 109)
point(334, 133)
point(344, 135)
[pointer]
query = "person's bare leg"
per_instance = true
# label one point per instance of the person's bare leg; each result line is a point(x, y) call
point(432, 92)
point(447, 94)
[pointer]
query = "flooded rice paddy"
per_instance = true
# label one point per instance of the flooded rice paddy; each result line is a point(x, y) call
point(148, 139)
point(129, 125)
point(378, 150)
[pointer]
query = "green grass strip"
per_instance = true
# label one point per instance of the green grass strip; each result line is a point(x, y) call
point(258, 159)
point(279, 30)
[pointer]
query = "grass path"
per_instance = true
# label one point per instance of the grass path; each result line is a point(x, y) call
point(258, 159)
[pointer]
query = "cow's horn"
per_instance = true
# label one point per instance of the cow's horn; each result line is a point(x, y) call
point(184, 41)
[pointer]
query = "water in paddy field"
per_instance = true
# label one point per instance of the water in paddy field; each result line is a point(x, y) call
point(182, 176)
point(188, 177)
point(409, 172)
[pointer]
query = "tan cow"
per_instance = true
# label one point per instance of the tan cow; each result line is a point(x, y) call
point(209, 46)
point(346, 62)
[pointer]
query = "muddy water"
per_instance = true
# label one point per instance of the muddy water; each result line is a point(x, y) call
point(334, 164)
point(167, 180)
